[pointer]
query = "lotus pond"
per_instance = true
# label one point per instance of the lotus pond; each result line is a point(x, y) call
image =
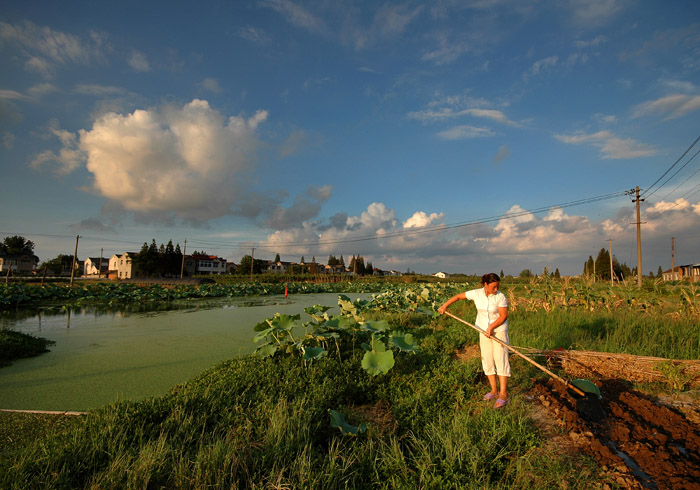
point(105, 354)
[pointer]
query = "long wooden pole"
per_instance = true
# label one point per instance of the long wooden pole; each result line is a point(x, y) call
point(75, 258)
point(539, 366)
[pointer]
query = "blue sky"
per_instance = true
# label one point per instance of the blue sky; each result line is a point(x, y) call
point(430, 136)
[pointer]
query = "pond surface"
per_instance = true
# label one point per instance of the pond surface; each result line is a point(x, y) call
point(100, 357)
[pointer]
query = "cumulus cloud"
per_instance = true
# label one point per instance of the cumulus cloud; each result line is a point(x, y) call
point(610, 145)
point(672, 106)
point(187, 163)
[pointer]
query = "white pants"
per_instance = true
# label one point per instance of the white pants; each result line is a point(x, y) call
point(494, 357)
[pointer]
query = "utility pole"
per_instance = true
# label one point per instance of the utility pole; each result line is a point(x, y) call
point(612, 272)
point(75, 257)
point(673, 258)
point(252, 261)
point(637, 200)
point(184, 253)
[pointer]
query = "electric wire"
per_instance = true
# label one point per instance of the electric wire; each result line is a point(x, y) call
point(649, 189)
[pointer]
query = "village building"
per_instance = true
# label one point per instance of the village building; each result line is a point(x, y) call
point(17, 264)
point(690, 272)
point(200, 264)
point(96, 267)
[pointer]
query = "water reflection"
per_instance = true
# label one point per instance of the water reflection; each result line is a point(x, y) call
point(10, 317)
point(108, 352)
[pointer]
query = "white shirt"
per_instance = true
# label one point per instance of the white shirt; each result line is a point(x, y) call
point(487, 308)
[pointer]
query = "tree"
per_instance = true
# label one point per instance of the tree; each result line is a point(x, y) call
point(18, 246)
point(502, 275)
point(60, 265)
point(277, 258)
point(526, 273)
point(589, 267)
point(660, 272)
point(258, 265)
point(557, 275)
point(602, 265)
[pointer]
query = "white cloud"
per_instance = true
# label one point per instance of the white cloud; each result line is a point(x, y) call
point(610, 145)
point(98, 90)
point(421, 219)
point(672, 106)
point(8, 140)
point(540, 66)
point(211, 85)
point(139, 62)
point(253, 34)
point(181, 161)
point(296, 15)
point(447, 112)
point(591, 13)
point(44, 48)
point(11, 95)
point(68, 158)
point(465, 132)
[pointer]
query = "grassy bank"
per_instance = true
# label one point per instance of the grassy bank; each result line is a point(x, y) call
point(265, 423)
point(17, 345)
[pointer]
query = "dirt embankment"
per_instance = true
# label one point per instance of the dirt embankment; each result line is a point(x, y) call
point(639, 444)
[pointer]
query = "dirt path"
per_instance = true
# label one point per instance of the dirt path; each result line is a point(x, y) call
point(639, 444)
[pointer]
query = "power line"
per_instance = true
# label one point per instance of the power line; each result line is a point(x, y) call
point(670, 168)
point(361, 238)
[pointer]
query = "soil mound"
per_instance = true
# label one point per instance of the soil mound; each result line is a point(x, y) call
point(640, 443)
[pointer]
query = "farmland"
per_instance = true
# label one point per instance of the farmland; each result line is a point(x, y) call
point(383, 395)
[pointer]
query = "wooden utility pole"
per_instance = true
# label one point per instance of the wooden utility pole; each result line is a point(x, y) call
point(184, 253)
point(612, 271)
point(252, 261)
point(673, 258)
point(75, 258)
point(637, 200)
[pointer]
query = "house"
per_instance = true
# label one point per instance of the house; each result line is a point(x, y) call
point(200, 264)
point(17, 264)
point(689, 272)
point(231, 268)
point(121, 266)
point(279, 267)
point(96, 266)
point(441, 275)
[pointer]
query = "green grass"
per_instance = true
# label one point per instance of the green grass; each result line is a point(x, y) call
point(264, 423)
point(17, 345)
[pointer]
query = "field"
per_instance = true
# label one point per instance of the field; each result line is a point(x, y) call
point(388, 395)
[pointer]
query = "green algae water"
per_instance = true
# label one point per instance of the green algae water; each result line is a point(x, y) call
point(104, 356)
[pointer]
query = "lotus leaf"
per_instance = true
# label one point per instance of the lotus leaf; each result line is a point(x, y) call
point(314, 353)
point(338, 421)
point(378, 362)
point(404, 342)
point(266, 350)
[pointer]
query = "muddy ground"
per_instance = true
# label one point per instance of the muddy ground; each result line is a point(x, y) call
point(640, 442)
